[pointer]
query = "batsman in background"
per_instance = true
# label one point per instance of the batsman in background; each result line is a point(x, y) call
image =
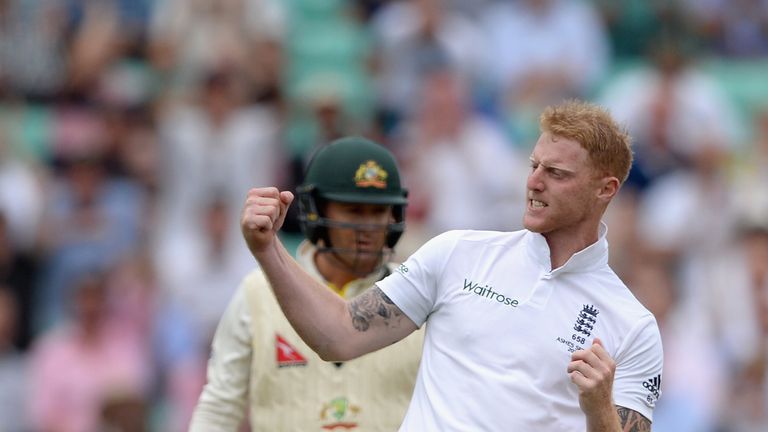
point(527, 330)
point(351, 210)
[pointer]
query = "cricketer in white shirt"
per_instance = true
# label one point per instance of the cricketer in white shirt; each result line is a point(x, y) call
point(503, 325)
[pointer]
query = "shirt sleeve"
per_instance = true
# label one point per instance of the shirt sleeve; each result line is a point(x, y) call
point(222, 403)
point(414, 287)
point(639, 362)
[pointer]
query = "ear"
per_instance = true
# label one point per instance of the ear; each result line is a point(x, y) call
point(609, 187)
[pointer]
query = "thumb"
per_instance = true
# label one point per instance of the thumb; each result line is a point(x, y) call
point(597, 341)
point(286, 198)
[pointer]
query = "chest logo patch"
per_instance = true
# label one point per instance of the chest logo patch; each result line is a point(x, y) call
point(585, 323)
point(582, 329)
point(486, 291)
point(339, 414)
point(287, 355)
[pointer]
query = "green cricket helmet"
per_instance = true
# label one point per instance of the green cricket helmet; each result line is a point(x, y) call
point(351, 170)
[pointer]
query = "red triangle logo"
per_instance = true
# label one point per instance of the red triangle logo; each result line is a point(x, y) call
point(287, 354)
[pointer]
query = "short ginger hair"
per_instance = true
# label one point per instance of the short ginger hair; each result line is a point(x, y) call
point(607, 143)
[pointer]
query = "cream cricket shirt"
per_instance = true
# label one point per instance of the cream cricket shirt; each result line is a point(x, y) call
point(260, 362)
point(503, 324)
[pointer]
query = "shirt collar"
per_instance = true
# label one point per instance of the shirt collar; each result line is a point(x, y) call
point(592, 257)
point(305, 256)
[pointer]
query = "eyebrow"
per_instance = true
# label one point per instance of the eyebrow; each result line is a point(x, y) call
point(548, 166)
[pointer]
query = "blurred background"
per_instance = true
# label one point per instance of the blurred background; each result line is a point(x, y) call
point(130, 131)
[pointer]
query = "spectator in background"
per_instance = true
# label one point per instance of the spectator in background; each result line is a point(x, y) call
point(130, 16)
point(327, 58)
point(733, 28)
point(216, 143)
point(96, 43)
point(448, 151)
point(13, 368)
point(21, 213)
point(671, 108)
point(18, 276)
point(188, 38)
point(82, 362)
point(541, 52)
point(92, 221)
point(211, 271)
point(36, 28)
point(682, 218)
point(326, 83)
point(632, 24)
point(737, 296)
point(133, 294)
point(133, 148)
point(411, 36)
point(21, 195)
point(694, 392)
point(748, 170)
point(323, 100)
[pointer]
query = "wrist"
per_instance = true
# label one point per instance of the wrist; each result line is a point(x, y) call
point(602, 417)
point(269, 253)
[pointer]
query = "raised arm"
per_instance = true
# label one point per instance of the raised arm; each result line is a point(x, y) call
point(337, 330)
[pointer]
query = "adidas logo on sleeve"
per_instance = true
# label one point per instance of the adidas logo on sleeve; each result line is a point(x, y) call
point(653, 386)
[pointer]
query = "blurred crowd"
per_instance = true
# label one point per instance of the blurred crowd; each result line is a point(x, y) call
point(130, 131)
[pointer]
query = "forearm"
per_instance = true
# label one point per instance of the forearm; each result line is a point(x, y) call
point(617, 418)
point(318, 315)
point(604, 419)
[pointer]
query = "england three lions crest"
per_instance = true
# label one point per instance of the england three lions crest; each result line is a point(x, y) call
point(586, 320)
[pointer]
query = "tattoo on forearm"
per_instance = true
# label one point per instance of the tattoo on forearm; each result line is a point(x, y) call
point(632, 421)
point(365, 307)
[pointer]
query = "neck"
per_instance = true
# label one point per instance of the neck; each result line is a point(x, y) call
point(333, 269)
point(563, 245)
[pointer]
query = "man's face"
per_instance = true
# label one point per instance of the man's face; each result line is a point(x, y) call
point(359, 248)
point(562, 188)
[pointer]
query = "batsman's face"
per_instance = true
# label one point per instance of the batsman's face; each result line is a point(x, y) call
point(562, 188)
point(362, 245)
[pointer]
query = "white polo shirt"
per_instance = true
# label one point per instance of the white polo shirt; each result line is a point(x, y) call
point(503, 324)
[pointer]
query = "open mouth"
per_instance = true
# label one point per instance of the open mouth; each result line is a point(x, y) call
point(536, 204)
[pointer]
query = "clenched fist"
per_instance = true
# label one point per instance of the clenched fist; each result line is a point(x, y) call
point(592, 370)
point(263, 215)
